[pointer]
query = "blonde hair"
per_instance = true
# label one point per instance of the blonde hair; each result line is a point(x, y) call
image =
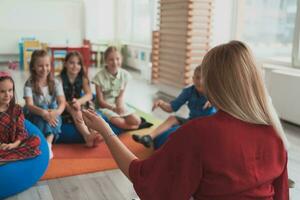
point(109, 50)
point(40, 53)
point(197, 71)
point(233, 83)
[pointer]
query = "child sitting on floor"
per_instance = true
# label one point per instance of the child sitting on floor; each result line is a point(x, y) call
point(75, 83)
point(15, 143)
point(44, 97)
point(110, 84)
point(197, 103)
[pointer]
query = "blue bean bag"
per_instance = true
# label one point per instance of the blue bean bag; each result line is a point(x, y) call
point(161, 139)
point(17, 176)
point(69, 133)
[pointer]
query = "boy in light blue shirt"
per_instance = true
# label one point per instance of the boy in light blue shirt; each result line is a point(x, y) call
point(197, 104)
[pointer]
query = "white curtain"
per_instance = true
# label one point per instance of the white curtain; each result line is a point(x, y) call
point(99, 21)
point(268, 27)
point(296, 47)
point(134, 21)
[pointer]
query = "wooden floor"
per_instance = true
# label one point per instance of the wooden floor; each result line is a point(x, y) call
point(113, 185)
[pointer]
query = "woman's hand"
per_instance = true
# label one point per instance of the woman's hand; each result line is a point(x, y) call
point(93, 121)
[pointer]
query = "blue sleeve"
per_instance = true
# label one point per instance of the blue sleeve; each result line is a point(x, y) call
point(181, 99)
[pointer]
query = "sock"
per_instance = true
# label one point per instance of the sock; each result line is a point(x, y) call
point(50, 151)
point(144, 124)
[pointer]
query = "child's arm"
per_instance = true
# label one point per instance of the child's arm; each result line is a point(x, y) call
point(120, 102)
point(9, 146)
point(87, 92)
point(45, 114)
point(120, 99)
point(21, 132)
point(61, 101)
point(181, 99)
point(35, 109)
point(60, 98)
point(101, 101)
point(163, 105)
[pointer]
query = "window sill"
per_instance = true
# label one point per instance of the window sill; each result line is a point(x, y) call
point(279, 67)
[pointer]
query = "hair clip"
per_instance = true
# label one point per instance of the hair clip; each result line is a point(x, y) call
point(4, 74)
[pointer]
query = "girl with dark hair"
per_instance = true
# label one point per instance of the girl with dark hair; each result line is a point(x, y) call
point(15, 143)
point(78, 94)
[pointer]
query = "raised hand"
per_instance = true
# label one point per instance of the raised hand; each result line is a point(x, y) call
point(93, 121)
point(157, 104)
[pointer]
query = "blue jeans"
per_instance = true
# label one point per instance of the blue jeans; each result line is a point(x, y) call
point(42, 124)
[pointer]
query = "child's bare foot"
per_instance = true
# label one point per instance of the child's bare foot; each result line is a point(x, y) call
point(98, 139)
point(89, 140)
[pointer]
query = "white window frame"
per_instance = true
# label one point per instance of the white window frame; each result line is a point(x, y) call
point(295, 55)
point(130, 39)
point(296, 42)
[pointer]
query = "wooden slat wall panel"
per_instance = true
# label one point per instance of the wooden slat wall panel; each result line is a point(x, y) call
point(182, 40)
point(155, 55)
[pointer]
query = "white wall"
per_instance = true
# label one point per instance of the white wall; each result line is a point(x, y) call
point(100, 20)
point(283, 87)
point(222, 22)
point(55, 22)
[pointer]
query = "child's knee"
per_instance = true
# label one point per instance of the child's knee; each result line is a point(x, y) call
point(172, 118)
point(135, 120)
point(116, 120)
point(138, 120)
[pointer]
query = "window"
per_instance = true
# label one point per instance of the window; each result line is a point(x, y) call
point(268, 27)
point(134, 21)
point(296, 47)
point(141, 22)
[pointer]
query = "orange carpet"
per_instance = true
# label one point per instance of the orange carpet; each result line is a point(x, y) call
point(74, 159)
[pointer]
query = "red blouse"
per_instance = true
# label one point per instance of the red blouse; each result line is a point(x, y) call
point(215, 158)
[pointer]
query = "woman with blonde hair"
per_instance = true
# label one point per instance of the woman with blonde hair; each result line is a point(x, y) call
point(238, 153)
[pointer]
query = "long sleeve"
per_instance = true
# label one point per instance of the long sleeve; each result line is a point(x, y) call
point(173, 172)
point(21, 132)
point(281, 186)
point(181, 99)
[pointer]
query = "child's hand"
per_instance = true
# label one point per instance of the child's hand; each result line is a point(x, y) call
point(156, 104)
point(75, 104)
point(120, 109)
point(9, 146)
point(52, 118)
point(207, 105)
point(46, 115)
